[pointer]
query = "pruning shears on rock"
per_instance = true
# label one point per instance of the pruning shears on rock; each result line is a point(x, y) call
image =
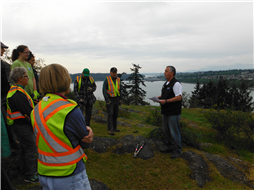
point(137, 150)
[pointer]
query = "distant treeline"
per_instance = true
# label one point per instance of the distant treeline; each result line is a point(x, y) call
point(249, 83)
point(97, 76)
point(215, 76)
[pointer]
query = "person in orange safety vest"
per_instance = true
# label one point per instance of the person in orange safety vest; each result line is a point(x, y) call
point(112, 93)
point(84, 87)
point(61, 133)
point(19, 106)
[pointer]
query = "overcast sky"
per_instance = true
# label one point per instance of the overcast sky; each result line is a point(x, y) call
point(100, 35)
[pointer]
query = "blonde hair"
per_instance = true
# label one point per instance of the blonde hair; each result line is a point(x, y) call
point(54, 78)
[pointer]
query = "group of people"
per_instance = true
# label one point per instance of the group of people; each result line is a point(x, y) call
point(84, 86)
point(54, 130)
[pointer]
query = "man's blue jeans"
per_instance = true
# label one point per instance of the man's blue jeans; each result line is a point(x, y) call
point(171, 131)
point(77, 182)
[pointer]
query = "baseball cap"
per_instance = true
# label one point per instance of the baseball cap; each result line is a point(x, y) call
point(86, 72)
point(3, 45)
point(113, 69)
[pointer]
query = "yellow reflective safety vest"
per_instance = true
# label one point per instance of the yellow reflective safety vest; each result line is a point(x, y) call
point(11, 116)
point(56, 156)
point(79, 81)
point(113, 89)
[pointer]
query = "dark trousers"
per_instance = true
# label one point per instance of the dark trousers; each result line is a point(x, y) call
point(112, 109)
point(88, 111)
point(27, 150)
point(5, 180)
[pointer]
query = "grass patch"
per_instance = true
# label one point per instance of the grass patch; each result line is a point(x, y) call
point(160, 172)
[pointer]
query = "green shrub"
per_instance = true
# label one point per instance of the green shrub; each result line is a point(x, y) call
point(154, 117)
point(190, 136)
point(156, 133)
point(235, 128)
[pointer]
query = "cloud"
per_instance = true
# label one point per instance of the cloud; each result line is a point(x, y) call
point(146, 33)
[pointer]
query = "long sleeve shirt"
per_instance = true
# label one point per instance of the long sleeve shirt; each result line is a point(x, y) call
point(75, 130)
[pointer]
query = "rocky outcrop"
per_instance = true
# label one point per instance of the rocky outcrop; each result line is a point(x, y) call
point(198, 166)
point(100, 144)
point(228, 170)
point(125, 145)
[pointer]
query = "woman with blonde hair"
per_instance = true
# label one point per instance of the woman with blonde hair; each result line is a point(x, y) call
point(61, 133)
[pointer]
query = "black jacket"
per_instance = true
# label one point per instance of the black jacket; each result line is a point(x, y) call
point(5, 86)
point(19, 102)
point(167, 92)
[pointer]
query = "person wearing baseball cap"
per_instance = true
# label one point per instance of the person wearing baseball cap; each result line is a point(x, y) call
point(4, 88)
point(112, 93)
point(84, 86)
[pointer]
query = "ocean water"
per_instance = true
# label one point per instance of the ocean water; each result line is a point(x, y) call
point(152, 89)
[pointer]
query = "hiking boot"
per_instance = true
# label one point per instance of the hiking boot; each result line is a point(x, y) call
point(175, 155)
point(34, 179)
point(116, 130)
point(111, 133)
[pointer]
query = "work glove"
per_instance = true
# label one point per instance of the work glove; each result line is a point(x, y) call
point(36, 95)
point(81, 100)
point(120, 102)
point(89, 89)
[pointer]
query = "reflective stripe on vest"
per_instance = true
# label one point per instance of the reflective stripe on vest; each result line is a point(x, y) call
point(54, 150)
point(113, 89)
point(11, 116)
point(79, 81)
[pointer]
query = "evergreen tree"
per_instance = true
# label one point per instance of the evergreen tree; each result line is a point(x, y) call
point(244, 100)
point(194, 99)
point(136, 94)
point(124, 92)
point(222, 96)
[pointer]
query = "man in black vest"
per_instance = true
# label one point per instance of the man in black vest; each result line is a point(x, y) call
point(170, 100)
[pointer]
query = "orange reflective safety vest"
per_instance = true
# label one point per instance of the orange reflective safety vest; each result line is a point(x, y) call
point(79, 81)
point(11, 116)
point(113, 89)
point(56, 156)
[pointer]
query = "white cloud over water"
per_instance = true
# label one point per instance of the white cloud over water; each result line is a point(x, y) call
point(99, 35)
